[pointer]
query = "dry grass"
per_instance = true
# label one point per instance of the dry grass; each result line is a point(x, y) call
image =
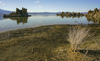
point(46, 43)
point(76, 36)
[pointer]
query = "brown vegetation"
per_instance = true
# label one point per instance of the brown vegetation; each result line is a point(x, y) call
point(47, 43)
point(76, 36)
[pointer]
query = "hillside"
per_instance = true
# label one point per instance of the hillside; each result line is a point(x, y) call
point(4, 11)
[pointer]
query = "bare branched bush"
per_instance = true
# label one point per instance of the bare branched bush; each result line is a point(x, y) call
point(97, 42)
point(77, 35)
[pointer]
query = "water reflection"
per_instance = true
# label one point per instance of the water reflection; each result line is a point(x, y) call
point(12, 23)
point(1, 17)
point(62, 16)
point(18, 19)
point(94, 20)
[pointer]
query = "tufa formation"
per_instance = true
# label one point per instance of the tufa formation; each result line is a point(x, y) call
point(93, 15)
point(18, 13)
point(69, 14)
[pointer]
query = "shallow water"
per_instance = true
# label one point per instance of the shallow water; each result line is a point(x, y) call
point(39, 20)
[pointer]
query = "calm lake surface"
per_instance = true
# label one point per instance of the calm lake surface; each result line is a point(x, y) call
point(35, 20)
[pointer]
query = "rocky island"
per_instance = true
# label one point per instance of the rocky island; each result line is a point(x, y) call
point(69, 14)
point(18, 13)
point(93, 15)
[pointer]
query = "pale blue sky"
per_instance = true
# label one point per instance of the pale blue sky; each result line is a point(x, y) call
point(50, 5)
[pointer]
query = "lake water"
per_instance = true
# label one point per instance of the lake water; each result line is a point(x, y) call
point(39, 20)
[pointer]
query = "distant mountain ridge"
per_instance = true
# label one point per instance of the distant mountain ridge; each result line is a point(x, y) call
point(8, 12)
point(50, 12)
point(84, 12)
point(43, 12)
point(4, 11)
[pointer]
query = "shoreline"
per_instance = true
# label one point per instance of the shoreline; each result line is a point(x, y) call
point(29, 29)
point(39, 26)
point(49, 41)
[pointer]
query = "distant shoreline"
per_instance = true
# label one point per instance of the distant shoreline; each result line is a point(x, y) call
point(11, 30)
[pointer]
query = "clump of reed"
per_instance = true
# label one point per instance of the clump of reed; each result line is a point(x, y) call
point(77, 35)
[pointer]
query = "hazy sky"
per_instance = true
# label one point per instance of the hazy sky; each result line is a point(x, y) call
point(50, 5)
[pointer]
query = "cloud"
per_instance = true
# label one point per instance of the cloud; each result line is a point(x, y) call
point(37, 1)
point(2, 3)
point(34, 7)
point(39, 6)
